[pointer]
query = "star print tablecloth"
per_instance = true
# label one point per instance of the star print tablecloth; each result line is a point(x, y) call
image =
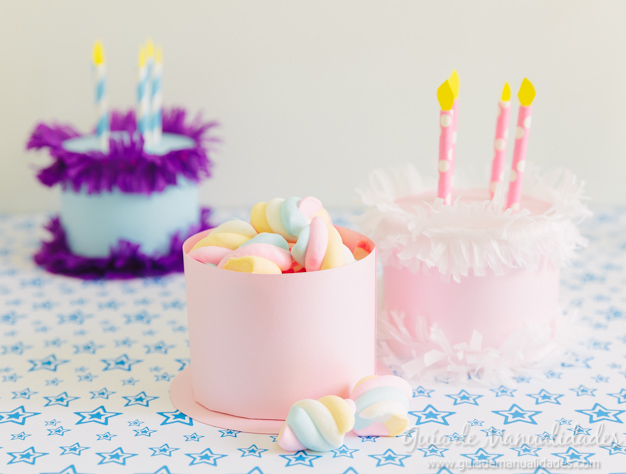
point(85, 369)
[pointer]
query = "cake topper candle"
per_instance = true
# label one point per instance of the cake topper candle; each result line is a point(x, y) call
point(143, 101)
point(157, 96)
point(148, 136)
point(445, 95)
point(455, 84)
point(526, 96)
point(502, 134)
point(102, 126)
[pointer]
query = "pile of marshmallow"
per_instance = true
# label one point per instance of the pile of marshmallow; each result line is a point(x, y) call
point(283, 236)
point(378, 406)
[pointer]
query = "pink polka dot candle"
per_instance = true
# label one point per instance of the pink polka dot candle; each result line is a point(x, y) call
point(502, 133)
point(445, 95)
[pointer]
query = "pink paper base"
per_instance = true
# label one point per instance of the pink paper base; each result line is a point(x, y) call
point(181, 394)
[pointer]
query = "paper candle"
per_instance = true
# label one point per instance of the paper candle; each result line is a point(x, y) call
point(149, 67)
point(502, 133)
point(102, 126)
point(526, 96)
point(455, 84)
point(445, 95)
point(143, 101)
point(156, 112)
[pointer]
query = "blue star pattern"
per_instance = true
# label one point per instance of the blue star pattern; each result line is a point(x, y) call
point(86, 367)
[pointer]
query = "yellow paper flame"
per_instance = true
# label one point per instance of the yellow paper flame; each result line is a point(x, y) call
point(98, 53)
point(526, 93)
point(506, 92)
point(454, 82)
point(149, 48)
point(142, 56)
point(445, 95)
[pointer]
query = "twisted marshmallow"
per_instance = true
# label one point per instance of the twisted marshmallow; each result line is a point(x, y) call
point(286, 217)
point(319, 247)
point(382, 405)
point(263, 253)
point(318, 425)
point(221, 241)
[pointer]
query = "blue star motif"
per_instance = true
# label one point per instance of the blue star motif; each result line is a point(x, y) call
point(433, 450)
point(163, 450)
point(102, 393)
point(545, 397)
point(301, 458)
point(502, 391)
point(142, 318)
point(26, 393)
point(251, 451)
point(99, 415)
point(135, 423)
point(105, 436)
point(551, 374)
point(88, 348)
point(76, 449)
point(493, 432)
point(140, 399)
point(615, 448)
point(117, 456)
point(365, 439)
point(177, 416)
point(17, 416)
point(525, 450)
point(124, 342)
point(17, 349)
point(482, 457)
point(599, 413)
point(455, 438)
point(475, 422)
point(144, 432)
point(130, 381)
point(422, 392)
point(193, 437)
point(63, 399)
point(344, 452)
point(515, 414)
point(577, 361)
point(75, 318)
point(120, 363)
point(52, 422)
point(563, 421)
point(464, 397)
point(579, 430)
point(389, 458)
point(229, 433)
point(59, 431)
point(54, 382)
point(545, 436)
point(163, 377)
point(160, 347)
point(28, 456)
point(205, 457)
point(574, 456)
point(19, 436)
point(621, 396)
point(47, 363)
point(431, 415)
point(183, 363)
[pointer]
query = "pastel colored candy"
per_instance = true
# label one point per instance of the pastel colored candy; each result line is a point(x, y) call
point(209, 255)
point(318, 425)
point(231, 234)
point(268, 238)
point(252, 265)
point(277, 255)
point(319, 247)
point(286, 217)
point(382, 405)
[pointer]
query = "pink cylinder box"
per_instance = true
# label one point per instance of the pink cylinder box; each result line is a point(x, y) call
point(259, 343)
point(470, 290)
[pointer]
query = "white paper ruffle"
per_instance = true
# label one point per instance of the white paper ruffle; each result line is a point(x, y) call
point(434, 235)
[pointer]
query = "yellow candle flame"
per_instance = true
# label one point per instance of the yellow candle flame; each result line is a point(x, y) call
point(98, 53)
point(454, 82)
point(142, 56)
point(149, 48)
point(526, 93)
point(506, 92)
point(158, 55)
point(445, 95)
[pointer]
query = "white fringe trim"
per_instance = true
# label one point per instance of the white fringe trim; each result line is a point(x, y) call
point(435, 237)
point(430, 357)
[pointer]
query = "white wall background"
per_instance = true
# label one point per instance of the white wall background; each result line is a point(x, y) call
point(313, 95)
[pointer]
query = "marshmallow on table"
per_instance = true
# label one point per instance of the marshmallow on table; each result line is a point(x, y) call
point(319, 247)
point(382, 405)
point(221, 241)
point(318, 425)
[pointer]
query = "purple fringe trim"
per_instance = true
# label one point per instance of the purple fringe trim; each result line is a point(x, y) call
point(126, 166)
point(125, 260)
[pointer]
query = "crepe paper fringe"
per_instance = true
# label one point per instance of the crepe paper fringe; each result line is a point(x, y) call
point(127, 166)
point(125, 261)
point(433, 236)
point(429, 356)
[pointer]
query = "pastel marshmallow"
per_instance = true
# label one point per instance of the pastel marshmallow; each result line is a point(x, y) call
point(231, 234)
point(252, 265)
point(277, 255)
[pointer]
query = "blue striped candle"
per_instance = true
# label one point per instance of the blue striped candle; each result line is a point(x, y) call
point(143, 101)
point(103, 129)
point(148, 134)
point(157, 97)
